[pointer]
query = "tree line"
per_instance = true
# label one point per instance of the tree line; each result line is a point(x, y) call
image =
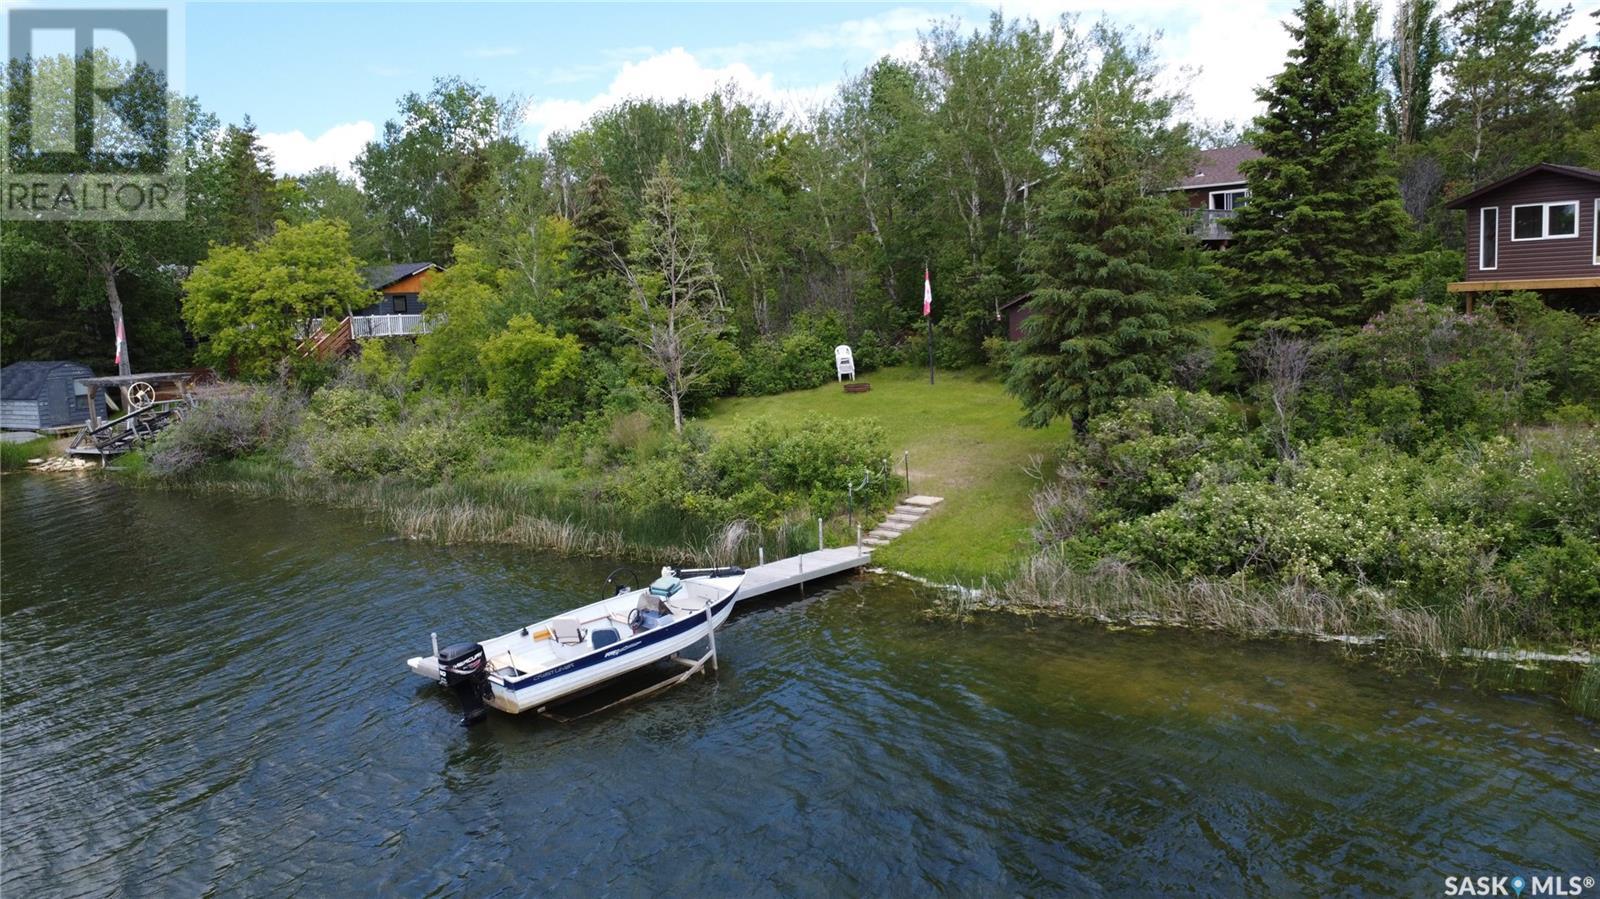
point(708, 246)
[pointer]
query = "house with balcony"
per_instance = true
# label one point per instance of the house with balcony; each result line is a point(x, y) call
point(1537, 229)
point(1215, 190)
point(1212, 193)
point(396, 311)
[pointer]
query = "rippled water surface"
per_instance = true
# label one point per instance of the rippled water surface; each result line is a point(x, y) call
point(208, 695)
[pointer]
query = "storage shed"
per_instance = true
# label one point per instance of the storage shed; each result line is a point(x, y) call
point(35, 395)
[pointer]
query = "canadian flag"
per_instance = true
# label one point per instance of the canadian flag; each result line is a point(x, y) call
point(122, 340)
point(927, 294)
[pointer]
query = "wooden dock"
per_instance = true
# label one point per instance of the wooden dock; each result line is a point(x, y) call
point(802, 569)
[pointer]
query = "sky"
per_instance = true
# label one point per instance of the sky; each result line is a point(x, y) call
point(319, 79)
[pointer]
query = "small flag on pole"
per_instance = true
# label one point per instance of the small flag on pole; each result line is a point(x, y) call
point(927, 294)
point(122, 339)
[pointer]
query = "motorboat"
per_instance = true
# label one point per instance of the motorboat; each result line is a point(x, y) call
point(577, 651)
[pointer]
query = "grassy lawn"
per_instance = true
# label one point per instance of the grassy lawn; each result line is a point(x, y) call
point(965, 446)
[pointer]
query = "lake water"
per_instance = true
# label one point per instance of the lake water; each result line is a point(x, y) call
point(207, 695)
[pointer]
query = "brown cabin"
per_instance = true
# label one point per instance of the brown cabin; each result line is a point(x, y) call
point(1538, 229)
point(398, 287)
point(1213, 193)
point(1216, 190)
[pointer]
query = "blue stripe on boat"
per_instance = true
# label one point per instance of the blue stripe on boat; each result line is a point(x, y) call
point(638, 641)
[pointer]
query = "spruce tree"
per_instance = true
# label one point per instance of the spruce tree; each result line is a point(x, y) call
point(1105, 262)
point(1314, 244)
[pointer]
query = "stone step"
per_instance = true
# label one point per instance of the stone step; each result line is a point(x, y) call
point(905, 514)
point(881, 534)
point(873, 542)
point(924, 501)
point(899, 527)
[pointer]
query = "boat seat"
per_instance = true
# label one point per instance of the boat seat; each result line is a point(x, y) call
point(566, 631)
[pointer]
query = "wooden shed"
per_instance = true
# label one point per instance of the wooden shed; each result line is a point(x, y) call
point(43, 395)
point(1538, 229)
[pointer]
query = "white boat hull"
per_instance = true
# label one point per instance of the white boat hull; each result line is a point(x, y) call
point(515, 691)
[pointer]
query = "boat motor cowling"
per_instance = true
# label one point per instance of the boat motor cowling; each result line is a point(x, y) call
point(465, 669)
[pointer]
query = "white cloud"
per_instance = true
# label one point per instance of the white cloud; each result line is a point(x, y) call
point(673, 75)
point(295, 154)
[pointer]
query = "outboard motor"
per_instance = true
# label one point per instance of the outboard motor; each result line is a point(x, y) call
point(466, 671)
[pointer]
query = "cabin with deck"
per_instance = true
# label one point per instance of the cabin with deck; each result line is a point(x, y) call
point(1215, 191)
point(1538, 229)
point(398, 309)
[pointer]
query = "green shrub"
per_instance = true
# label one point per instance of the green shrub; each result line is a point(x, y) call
point(801, 359)
point(1349, 514)
point(1564, 580)
point(535, 376)
point(1149, 452)
point(762, 471)
point(227, 427)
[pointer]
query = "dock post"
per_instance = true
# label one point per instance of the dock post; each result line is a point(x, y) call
point(858, 539)
point(820, 547)
point(711, 632)
point(761, 555)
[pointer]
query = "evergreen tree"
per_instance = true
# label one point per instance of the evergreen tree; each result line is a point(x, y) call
point(601, 236)
point(1509, 81)
point(1324, 219)
point(248, 199)
point(1105, 261)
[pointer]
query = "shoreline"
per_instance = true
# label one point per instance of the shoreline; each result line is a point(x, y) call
point(1136, 601)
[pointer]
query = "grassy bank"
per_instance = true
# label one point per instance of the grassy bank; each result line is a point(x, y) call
point(471, 512)
point(964, 443)
point(15, 456)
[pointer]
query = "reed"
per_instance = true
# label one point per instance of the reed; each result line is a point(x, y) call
point(1113, 592)
point(501, 514)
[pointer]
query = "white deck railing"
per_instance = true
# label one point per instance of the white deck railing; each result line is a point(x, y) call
point(365, 326)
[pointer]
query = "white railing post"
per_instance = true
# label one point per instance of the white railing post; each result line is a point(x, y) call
point(858, 539)
point(820, 547)
point(761, 555)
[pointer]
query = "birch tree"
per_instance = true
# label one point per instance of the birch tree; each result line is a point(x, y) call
point(678, 298)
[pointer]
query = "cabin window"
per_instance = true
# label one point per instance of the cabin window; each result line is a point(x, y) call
point(401, 306)
point(1488, 238)
point(1544, 221)
point(1228, 199)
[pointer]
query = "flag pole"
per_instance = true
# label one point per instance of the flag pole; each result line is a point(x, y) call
point(927, 313)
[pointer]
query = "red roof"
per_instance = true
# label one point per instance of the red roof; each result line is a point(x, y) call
point(1219, 167)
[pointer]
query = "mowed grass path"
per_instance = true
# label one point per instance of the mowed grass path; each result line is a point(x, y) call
point(965, 445)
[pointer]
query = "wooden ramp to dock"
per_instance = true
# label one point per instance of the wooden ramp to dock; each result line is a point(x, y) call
point(801, 569)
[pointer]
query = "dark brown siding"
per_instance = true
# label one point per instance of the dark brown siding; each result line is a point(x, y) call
point(1015, 316)
point(1562, 258)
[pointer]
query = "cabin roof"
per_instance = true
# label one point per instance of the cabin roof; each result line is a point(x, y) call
point(1571, 171)
point(381, 276)
point(1219, 166)
point(24, 380)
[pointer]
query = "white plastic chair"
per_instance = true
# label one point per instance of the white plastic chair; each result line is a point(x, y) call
point(844, 362)
point(566, 631)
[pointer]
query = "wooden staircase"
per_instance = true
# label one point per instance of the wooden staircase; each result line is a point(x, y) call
point(906, 513)
point(325, 344)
